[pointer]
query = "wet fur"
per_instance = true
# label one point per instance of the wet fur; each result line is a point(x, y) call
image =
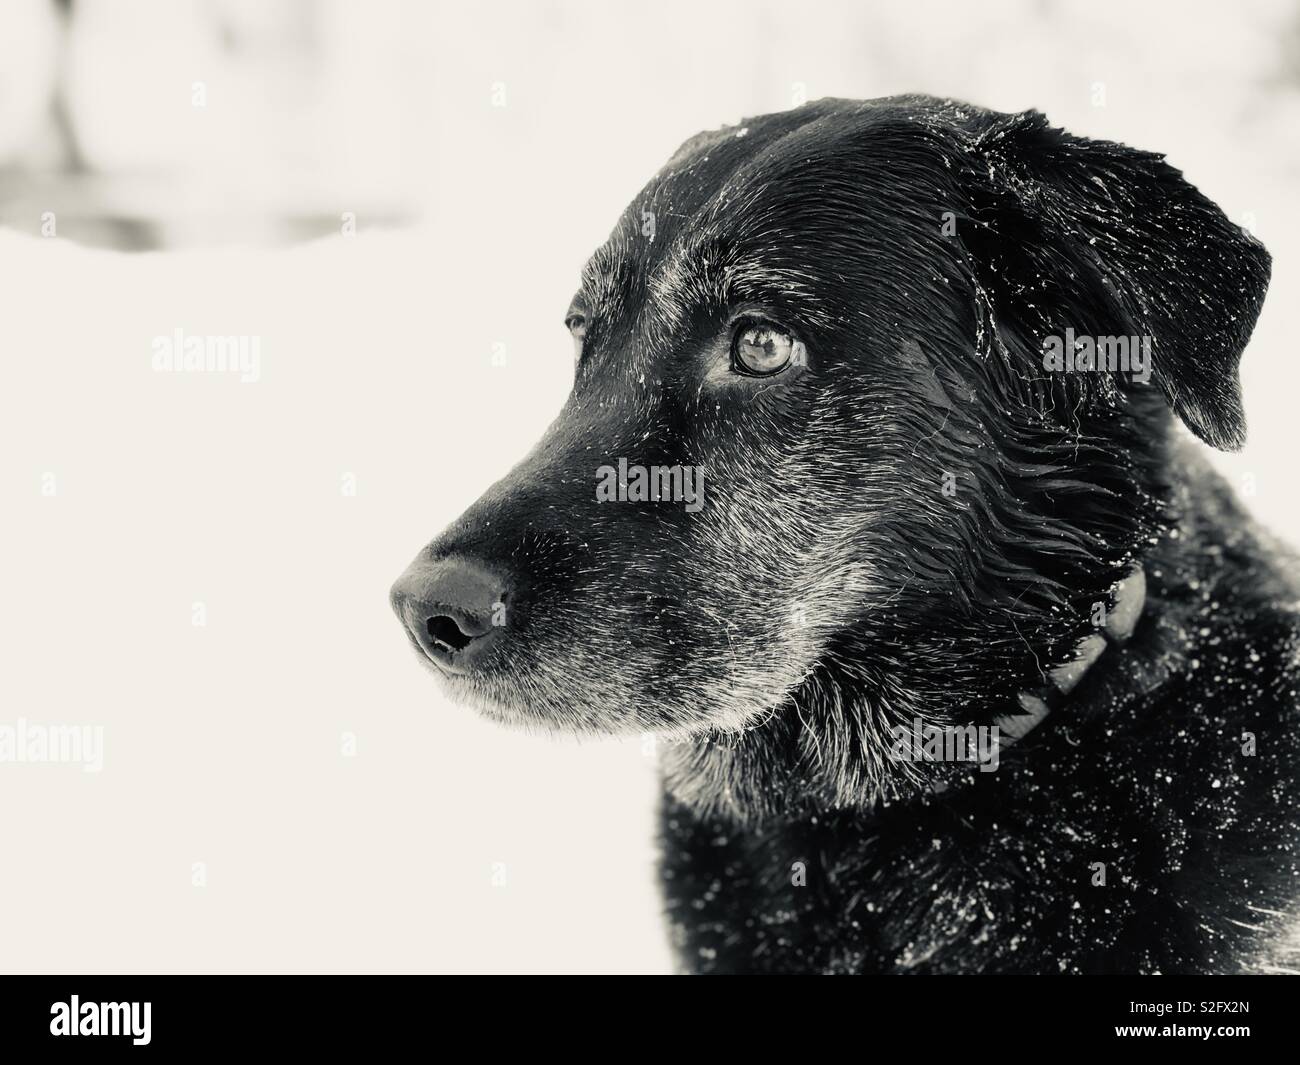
point(830, 588)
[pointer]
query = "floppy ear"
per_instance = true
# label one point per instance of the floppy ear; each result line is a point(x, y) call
point(1166, 256)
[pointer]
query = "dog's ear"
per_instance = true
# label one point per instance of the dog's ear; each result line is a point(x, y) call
point(1168, 258)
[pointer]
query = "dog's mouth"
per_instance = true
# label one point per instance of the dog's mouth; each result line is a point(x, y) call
point(489, 692)
point(469, 689)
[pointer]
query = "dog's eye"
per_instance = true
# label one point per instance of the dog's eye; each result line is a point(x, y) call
point(576, 324)
point(760, 349)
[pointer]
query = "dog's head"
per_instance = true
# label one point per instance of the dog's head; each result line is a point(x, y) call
point(818, 473)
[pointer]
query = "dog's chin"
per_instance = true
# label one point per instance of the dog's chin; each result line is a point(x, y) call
point(531, 703)
point(487, 704)
point(559, 702)
point(472, 692)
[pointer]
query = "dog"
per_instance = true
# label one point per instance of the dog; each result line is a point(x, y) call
point(927, 509)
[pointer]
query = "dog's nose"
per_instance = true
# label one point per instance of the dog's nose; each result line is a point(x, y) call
point(454, 610)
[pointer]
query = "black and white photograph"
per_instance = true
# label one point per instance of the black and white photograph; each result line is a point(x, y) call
point(624, 488)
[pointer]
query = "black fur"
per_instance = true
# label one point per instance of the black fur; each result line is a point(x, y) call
point(916, 525)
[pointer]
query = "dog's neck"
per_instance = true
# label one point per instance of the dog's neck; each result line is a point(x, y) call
point(752, 776)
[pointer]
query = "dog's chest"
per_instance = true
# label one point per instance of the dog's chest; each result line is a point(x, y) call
point(823, 902)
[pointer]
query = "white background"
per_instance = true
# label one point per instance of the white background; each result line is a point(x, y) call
point(223, 741)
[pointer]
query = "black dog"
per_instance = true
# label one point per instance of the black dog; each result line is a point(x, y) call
point(882, 391)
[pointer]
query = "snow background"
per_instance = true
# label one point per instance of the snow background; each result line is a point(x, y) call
point(422, 356)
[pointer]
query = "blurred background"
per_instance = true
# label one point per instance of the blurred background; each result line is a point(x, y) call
point(396, 198)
